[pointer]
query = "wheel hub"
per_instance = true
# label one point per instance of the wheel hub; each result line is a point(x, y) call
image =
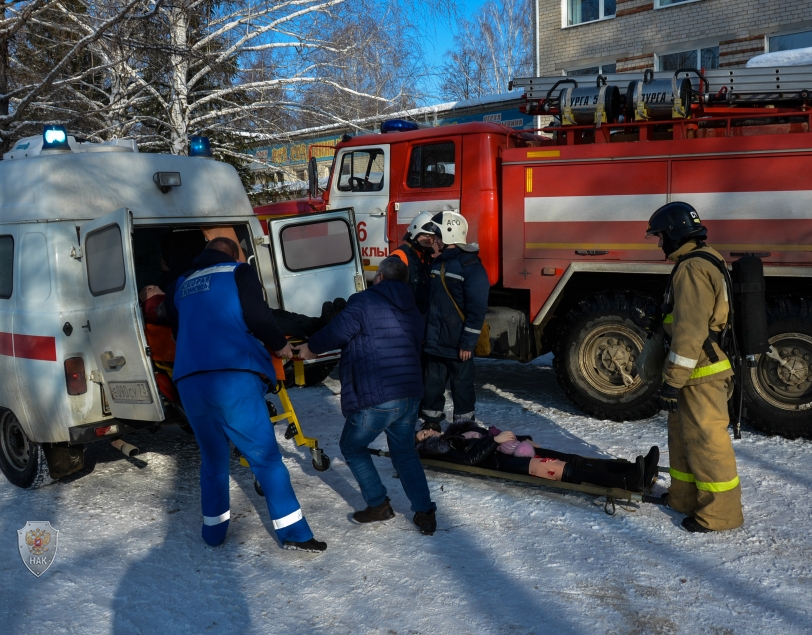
point(784, 377)
point(14, 444)
point(606, 357)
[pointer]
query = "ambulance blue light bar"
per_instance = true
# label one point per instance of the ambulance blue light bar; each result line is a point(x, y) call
point(55, 138)
point(398, 125)
point(200, 147)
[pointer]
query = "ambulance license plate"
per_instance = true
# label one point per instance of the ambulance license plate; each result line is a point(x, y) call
point(130, 392)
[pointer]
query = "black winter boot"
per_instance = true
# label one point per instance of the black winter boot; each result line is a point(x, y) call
point(628, 476)
point(426, 522)
point(311, 545)
point(650, 472)
point(376, 514)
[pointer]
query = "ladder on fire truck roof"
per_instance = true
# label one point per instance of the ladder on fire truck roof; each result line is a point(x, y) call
point(740, 84)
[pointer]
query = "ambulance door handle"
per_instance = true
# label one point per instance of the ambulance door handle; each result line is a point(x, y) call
point(111, 362)
point(378, 214)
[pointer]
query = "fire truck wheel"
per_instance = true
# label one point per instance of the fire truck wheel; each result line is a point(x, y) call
point(778, 394)
point(314, 373)
point(595, 353)
point(22, 461)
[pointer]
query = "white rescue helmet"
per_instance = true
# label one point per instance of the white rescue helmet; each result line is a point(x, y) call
point(452, 229)
point(421, 224)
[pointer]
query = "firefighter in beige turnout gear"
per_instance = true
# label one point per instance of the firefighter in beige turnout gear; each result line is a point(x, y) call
point(697, 378)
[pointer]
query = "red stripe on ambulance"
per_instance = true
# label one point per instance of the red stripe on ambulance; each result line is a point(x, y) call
point(38, 347)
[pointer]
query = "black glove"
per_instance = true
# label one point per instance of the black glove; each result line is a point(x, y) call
point(668, 398)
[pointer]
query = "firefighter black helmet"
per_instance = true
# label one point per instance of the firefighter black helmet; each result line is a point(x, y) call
point(678, 223)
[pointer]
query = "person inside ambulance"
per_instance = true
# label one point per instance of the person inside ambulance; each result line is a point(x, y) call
point(458, 301)
point(224, 331)
point(417, 252)
point(698, 377)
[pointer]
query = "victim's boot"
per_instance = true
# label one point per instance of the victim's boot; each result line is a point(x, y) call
point(603, 473)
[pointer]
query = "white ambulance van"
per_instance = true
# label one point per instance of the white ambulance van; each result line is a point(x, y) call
point(83, 227)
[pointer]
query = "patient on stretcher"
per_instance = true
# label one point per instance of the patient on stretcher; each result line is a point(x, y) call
point(466, 443)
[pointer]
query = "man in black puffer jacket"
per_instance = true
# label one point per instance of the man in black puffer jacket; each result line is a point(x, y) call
point(458, 300)
point(380, 335)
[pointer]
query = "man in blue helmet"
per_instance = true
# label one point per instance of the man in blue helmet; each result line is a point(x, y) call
point(223, 327)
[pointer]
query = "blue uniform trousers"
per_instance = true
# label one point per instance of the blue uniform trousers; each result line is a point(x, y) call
point(230, 405)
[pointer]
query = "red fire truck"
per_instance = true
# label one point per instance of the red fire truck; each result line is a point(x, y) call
point(560, 217)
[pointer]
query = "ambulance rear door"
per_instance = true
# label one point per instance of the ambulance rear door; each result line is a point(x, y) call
point(317, 258)
point(115, 325)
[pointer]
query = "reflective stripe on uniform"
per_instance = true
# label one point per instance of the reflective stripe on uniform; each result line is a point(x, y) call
point(447, 275)
point(718, 367)
point(681, 476)
point(216, 520)
point(288, 520)
point(717, 487)
point(679, 360)
point(668, 319)
point(473, 330)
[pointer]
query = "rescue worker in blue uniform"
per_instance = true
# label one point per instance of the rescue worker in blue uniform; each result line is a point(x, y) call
point(223, 325)
point(458, 301)
point(417, 252)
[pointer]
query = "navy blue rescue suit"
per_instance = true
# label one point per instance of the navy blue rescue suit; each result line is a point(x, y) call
point(419, 263)
point(222, 323)
point(447, 334)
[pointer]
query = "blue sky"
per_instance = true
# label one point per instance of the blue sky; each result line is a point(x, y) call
point(439, 37)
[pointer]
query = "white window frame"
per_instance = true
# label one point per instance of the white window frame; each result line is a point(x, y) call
point(657, 4)
point(600, 69)
point(767, 37)
point(698, 51)
point(565, 15)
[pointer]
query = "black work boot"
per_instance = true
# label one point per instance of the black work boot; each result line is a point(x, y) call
point(312, 545)
point(650, 471)
point(426, 522)
point(690, 524)
point(375, 514)
point(610, 474)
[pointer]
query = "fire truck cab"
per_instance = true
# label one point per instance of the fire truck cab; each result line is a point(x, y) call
point(83, 227)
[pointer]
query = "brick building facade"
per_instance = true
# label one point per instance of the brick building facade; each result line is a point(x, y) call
point(633, 35)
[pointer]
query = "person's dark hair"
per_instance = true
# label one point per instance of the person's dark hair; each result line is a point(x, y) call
point(226, 245)
point(392, 268)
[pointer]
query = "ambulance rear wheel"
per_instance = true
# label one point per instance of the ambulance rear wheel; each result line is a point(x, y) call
point(594, 358)
point(21, 461)
point(778, 394)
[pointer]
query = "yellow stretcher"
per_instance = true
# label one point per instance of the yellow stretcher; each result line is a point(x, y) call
point(321, 462)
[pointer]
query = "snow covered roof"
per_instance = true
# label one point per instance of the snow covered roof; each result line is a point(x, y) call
point(795, 57)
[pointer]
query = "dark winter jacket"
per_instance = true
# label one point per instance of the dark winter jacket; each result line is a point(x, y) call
point(467, 281)
point(451, 446)
point(380, 334)
point(419, 264)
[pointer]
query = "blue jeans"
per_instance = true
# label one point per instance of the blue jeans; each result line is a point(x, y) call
point(397, 420)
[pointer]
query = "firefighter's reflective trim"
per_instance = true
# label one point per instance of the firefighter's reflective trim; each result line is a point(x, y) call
point(477, 331)
point(725, 486)
point(210, 521)
point(718, 367)
point(679, 360)
point(447, 275)
point(668, 319)
point(287, 521)
point(681, 476)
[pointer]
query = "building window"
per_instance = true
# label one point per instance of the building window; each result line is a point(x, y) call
point(670, 3)
point(603, 69)
point(790, 41)
point(580, 11)
point(699, 58)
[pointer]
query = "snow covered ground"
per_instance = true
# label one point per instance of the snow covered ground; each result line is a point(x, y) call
point(506, 558)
